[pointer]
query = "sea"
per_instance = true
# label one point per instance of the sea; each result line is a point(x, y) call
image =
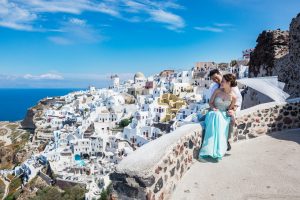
point(15, 102)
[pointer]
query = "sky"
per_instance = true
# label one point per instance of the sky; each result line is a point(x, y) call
point(77, 43)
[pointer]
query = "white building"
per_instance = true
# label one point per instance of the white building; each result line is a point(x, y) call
point(115, 81)
point(139, 79)
point(92, 89)
point(82, 146)
point(96, 145)
point(184, 76)
point(181, 88)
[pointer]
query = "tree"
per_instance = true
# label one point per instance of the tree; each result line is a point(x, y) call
point(124, 122)
point(105, 193)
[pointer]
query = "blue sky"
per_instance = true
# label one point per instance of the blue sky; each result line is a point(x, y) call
point(74, 43)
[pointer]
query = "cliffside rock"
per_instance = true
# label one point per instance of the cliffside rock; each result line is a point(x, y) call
point(277, 53)
point(27, 122)
point(288, 67)
point(34, 113)
point(271, 45)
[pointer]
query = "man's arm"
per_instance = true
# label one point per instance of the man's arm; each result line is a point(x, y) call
point(233, 106)
point(212, 89)
point(239, 98)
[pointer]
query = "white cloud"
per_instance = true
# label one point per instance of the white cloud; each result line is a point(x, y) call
point(208, 28)
point(67, 6)
point(74, 31)
point(23, 14)
point(60, 40)
point(173, 21)
point(158, 12)
point(96, 76)
point(15, 17)
point(223, 25)
point(217, 27)
point(47, 76)
point(134, 6)
point(77, 21)
point(7, 77)
point(59, 80)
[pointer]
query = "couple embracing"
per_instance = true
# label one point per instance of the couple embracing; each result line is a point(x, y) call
point(225, 100)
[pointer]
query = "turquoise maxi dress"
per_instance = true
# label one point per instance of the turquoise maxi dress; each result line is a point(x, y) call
point(216, 130)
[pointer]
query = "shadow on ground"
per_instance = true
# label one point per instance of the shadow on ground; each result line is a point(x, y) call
point(288, 135)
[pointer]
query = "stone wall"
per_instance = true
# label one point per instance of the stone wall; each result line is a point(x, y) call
point(267, 118)
point(252, 97)
point(153, 171)
point(46, 178)
point(65, 184)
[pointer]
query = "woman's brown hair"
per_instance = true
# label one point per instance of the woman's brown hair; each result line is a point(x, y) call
point(231, 79)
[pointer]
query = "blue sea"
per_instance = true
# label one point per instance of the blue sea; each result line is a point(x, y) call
point(15, 102)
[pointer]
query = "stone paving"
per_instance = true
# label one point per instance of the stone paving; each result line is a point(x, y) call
point(266, 167)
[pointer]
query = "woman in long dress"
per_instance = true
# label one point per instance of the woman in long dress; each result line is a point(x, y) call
point(217, 120)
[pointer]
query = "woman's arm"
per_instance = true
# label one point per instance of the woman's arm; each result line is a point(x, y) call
point(212, 99)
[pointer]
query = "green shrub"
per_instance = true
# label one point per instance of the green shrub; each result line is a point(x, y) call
point(105, 193)
point(10, 197)
point(74, 193)
point(52, 193)
point(14, 185)
point(124, 122)
point(48, 193)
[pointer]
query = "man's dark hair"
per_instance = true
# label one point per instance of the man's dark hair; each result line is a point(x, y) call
point(214, 71)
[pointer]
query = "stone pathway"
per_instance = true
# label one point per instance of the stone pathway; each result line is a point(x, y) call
point(267, 167)
point(6, 186)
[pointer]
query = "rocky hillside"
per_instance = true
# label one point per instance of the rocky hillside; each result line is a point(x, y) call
point(35, 112)
point(277, 53)
point(288, 67)
point(271, 45)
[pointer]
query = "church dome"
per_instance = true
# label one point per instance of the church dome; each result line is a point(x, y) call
point(139, 75)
